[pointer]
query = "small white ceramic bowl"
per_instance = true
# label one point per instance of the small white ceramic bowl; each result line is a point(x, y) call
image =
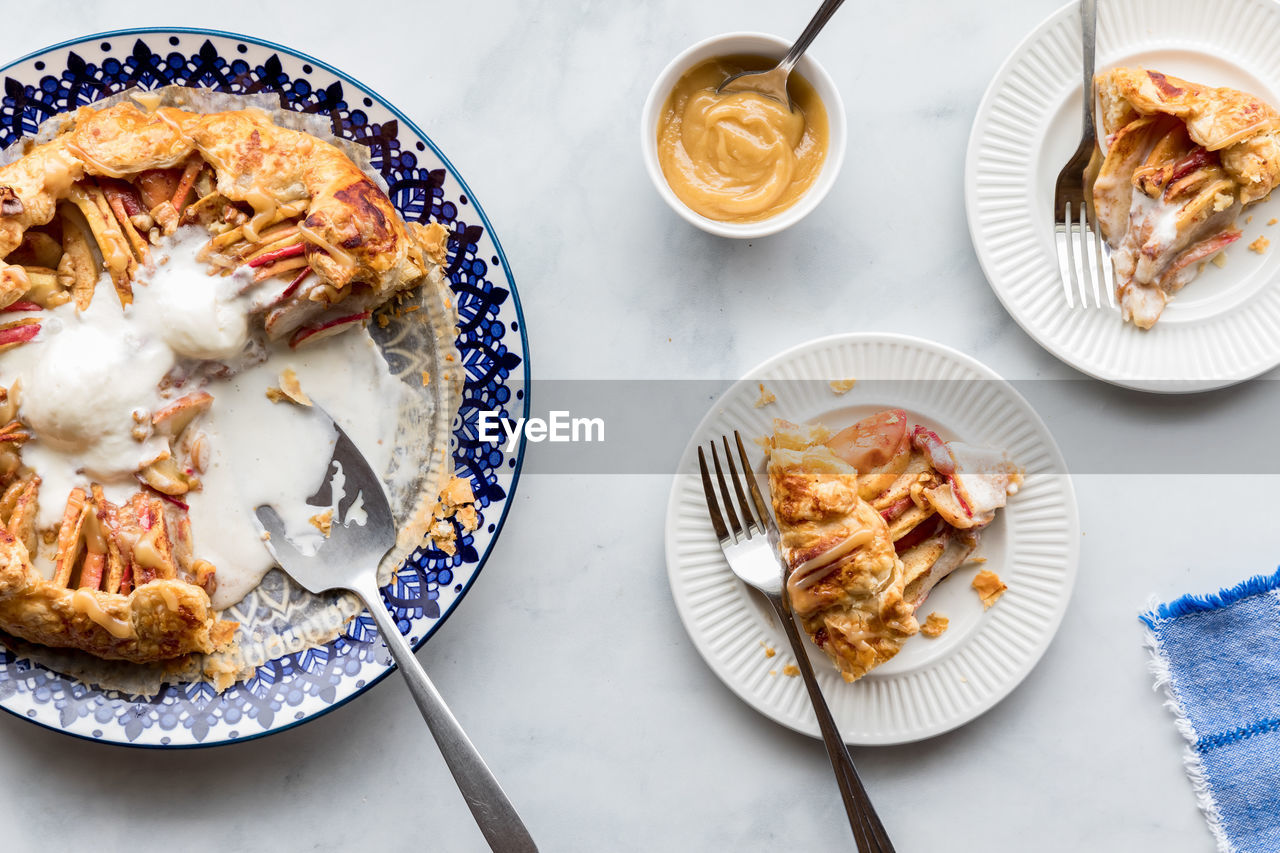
point(727, 45)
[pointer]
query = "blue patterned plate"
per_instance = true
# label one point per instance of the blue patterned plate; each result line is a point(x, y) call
point(491, 340)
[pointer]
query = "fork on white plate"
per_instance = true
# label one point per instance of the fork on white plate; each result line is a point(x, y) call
point(1084, 258)
point(749, 542)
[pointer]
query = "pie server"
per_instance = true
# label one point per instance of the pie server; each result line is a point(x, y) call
point(348, 559)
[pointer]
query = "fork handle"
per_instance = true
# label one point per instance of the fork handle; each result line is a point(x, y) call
point(811, 31)
point(493, 812)
point(1089, 33)
point(868, 831)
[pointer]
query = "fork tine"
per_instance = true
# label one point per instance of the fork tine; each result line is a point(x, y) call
point(727, 499)
point(1080, 261)
point(744, 506)
point(713, 509)
point(1104, 264)
point(1098, 258)
point(762, 512)
point(1088, 258)
point(1089, 244)
point(1061, 241)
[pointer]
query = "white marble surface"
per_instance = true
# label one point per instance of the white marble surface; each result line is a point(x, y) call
point(567, 662)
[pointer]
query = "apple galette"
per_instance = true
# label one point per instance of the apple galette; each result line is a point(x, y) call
point(1182, 161)
point(870, 519)
point(149, 258)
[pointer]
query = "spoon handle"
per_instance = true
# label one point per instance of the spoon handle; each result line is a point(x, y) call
point(815, 26)
point(494, 813)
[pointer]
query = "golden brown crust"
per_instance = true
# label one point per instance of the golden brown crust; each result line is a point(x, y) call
point(160, 620)
point(989, 587)
point(38, 180)
point(864, 545)
point(354, 241)
point(934, 626)
point(123, 140)
point(287, 205)
point(1245, 129)
point(853, 608)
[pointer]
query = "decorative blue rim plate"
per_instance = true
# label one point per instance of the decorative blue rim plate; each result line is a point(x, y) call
point(424, 186)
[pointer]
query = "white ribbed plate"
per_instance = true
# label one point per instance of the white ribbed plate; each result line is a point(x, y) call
point(932, 686)
point(1222, 328)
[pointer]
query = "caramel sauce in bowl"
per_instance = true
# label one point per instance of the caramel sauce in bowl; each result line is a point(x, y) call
point(740, 157)
point(741, 165)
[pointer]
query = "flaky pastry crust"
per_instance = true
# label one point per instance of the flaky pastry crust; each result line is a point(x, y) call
point(1182, 160)
point(1245, 129)
point(869, 520)
point(160, 620)
point(856, 611)
point(319, 236)
point(354, 241)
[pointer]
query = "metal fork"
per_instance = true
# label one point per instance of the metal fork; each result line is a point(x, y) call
point(1084, 258)
point(750, 545)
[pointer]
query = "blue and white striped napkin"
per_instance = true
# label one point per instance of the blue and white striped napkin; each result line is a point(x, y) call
point(1217, 657)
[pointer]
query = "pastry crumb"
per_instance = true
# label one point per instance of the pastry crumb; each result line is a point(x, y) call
point(1248, 219)
point(842, 386)
point(290, 385)
point(763, 441)
point(976, 561)
point(426, 378)
point(766, 397)
point(1219, 260)
point(266, 536)
point(773, 672)
point(289, 389)
point(467, 517)
point(1260, 245)
point(769, 651)
point(791, 670)
point(1272, 221)
point(323, 521)
point(457, 503)
point(383, 320)
point(989, 587)
point(934, 625)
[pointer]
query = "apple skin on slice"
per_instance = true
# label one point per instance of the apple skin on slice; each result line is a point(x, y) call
point(14, 334)
point(21, 305)
point(878, 446)
point(320, 331)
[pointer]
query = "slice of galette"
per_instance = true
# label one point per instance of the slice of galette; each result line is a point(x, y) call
point(870, 519)
point(1182, 161)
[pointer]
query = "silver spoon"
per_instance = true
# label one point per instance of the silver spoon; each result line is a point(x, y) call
point(348, 560)
point(773, 83)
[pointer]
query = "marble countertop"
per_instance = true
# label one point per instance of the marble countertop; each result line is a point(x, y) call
point(567, 663)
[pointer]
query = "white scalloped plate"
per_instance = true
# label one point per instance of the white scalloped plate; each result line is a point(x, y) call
point(1225, 326)
point(932, 686)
